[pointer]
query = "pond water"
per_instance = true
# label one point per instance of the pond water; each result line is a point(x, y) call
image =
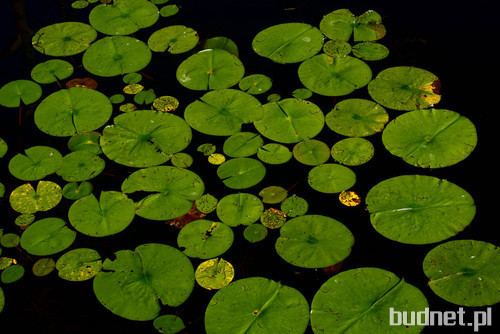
point(449, 39)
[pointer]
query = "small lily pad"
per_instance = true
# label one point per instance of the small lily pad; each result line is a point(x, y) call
point(352, 151)
point(47, 236)
point(173, 39)
point(274, 154)
point(12, 274)
point(51, 71)
point(36, 163)
point(168, 324)
point(311, 152)
point(294, 206)
point(255, 233)
point(242, 144)
point(79, 264)
point(85, 142)
point(206, 203)
point(3, 148)
point(370, 51)
point(9, 240)
point(80, 166)
point(214, 274)
point(302, 93)
point(205, 239)
point(239, 209)
point(331, 178)
point(169, 10)
point(75, 190)
point(221, 42)
point(337, 48)
point(273, 194)
point(241, 173)
point(43, 267)
point(255, 84)
point(165, 103)
point(273, 218)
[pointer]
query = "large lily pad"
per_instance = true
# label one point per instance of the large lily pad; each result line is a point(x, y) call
point(331, 178)
point(71, 111)
point(145, 138)
point(241, 173)
point(239, 209)
point(36, 163)
point(15, 92)
point(25, 199)
point(173, 39)
point(288, 42)
point(419, 209)
point(64, 39)
point(252, 304)
point(136, 283)
point(431, 138)
point(205, 239)
point(47, 236)
point(174, 191)
point(341, 24)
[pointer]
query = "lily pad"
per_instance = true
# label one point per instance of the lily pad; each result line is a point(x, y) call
point(405, 88)
point(431, 138)
point(43, 267)
point(354, 300)
point(14, 93)
point(72, 111)
point(109, 215)
point(370, 51)
point(273, 194)
point(3, 148)
point(9, 240)
point(173, 39)
point(331, 178)
point(341, 24)
point(75, 190)
point(255, 233)
point(145, 97)
point(241, 173)
point(85, 142)
point(255, 84)
point(136, 283)
point(168, 324)
point(174, 191)
point(222, 112)
point(80, 166)
point(2, 299)
point(51, 71)
point(337, 48)
point(206, 203)
point(79, 264)
point(242, 144)
point(145, 138)
point(239, 209)
point(294, 206)
point(64, 39)
point(221, 42)
point(314, 241)
point(272, 218)
point(290, 120)
point(464, 272)
point(47, 236)
point(334, 76)
point(274, 154)
point(214, 274)
point(169, 10)
point(288, 42)
point(12, 274)
point(181, 160)
point(302, 93)
point(25, 199)
point(205, 239)
point(311, 152)
point(352, 151)
point(419, 209)
point(36, 163)
point(165, 103)
point(250, 304)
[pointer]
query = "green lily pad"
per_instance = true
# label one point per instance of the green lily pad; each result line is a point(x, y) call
point(205, 239)
point(464, 272)
point(169, 10)
point(336, 48)
point(210, 69)
point(432, 138)
point(354, 300)
point(145, 138)
point(9, 240)
point(80, 166)
point(79, 4)
point(145, 97)
point(132, 78)
point(136, 283)
point(331, 178)
point(206, 203)
point(294, 206)
point(2, 299)
point(43, 267)
point(222, 112)
point(418, 209)
point(334, 76)
point(239, 209)
point(357, 118)
point(352, 151)
point(214, 274)
point(341, 24)
point(290, 120)
point(302, 93)
point(168, 324)
point(255, 233)
point(109, 215)
point(174, 191)
point(273, 97)
point(116, 55)
point(12, 274)
point(25, 199)
point(123, 17)
point(311, 152)
point(274, 154)
point(3, 148)
point(221, 42)
point(248, 305)
point(181, 160)
point(64, 39)
point(36, 163)
point(242, 144)
point(405, 88)
point(25, 219)
point(255, 84)
point(370, 51)
point(51, 71)
point(272, 218)
point(72, 111)
point(314, 241)
point(174, 39)
point(2, 190)
point(79, 264)
point(288, 42)
point(75, 190)
point(273, 194)
point(47, 236)
point(241, 173)
point(15, 92)
point(85, 142)
point(117, 98)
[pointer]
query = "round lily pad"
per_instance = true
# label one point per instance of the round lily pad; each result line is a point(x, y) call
point(255, 233)
point(116, 55)
point(294, 206)
point(405, 88)
point(145, 138)
point(80, 166)
point(250, 304)
point(311, 152)
point(357, 118)
point(36, 163)
point(430, 138)
point(214, 274)
point(239, 209)
point(272, 218)
point(210, 69)
point(216, 158)
point(302, 93)
point(174, 191)
point(47, 236)
point(352, 151)
point(43, 267)
point(354, 300)
point(370, 51)
point(419, 209)
point(181, 160)
point(205, 239)
point(15, 92)
point(51, 71)
point(136, 283)
point(123, 17)
point(274, 154)
point(145, 97)
point(341, 24)
point(314, 241)
point(273, 194)
point(464, 272)
point(173, 39)
point(79, 264)
point(75, 190)
point(288, 42)
point(206, 203)
point(221, 42)
point(109, 215)
point(25, 199)
point(133, 89)
point(331, 178)
point(222, 112)
point(290, 120)
point(241, 173)
point(242, 144)
point(3, 148)
point(9, 240)
point(165, 103)
point(132, 78)
point(24, 220)
point(255, 84)
point(71, 111)
point(334, 76)
point(64, 39)
point(168, 324)
point(12, 274)
point(336, 48)
point(169, 10)
point(85, 141)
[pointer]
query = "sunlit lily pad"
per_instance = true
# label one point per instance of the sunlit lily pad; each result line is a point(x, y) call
point(341, 24)
point(75, 190)
point(85, 141)
point(288, 42)
point(239, 209)
point(173, 39)
point(464, 272)
point(250, 304)
point(241, 173)
point(331, 178)
point(169, 10)
point(168, 324)
point(214, 274)
point(273, 218)
point(242, 144)
point(255, 84)
point(205, 239)
point(80, 166)
point(47, 236)
point(136, 283)
point(352, 151)
point(221, 42)
point(24, 220)
point(14, 93)
point(430, 138)
point(418, 209)
point(314, 241)
point(25, 199)
point(206, 203)
point(311, 152)
point(64, 39)
point(36, 163)
point(79, 264)
point(51, 71)
point(370, 51)
point(165, 103)
point(294, 206)
point(274, 154)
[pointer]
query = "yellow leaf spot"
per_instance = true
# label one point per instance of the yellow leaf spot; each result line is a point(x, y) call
point(216, 158)
point(349, 198)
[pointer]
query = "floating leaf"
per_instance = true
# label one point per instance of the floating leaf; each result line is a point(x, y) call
point(341, 24)
point(64, 39)
point(331, 178)
point(311, 152)
point(166, 103)
point(12, 274)
point(128, 107)
point(169, 10)
point(352, 151)
point(79, 4)
point(133, 89)
point(9, 240)
point(205, 239)
point(214, 274)
point(79, 264)
point(274, 154)
point(174, 39)
point(117, 98)
point(207, 149)
point(132, 78)
point(51, 71)
point(241, 173)
point(274, 97)
point(349, 198)
point(418, 209)
point(206, 203)
point(25, 199)
point(2, 299)
point(43, 267)
point(294, 206)
point(255, 233)
point(272, 218)
point(302, 93)
point(82, 82)
point(75, 190)
point(181, 160)
point(24, 220)
point(216, 159)
point(47, 236)
point(15, 92)
point(145, 97)
point(80, 166)
point(255, 84)
point(85, 142)
point(370, 51)
point(336, 48)
point(242, 144)
point(3, 148)
point(223, 43)
point(36, 163)
point(239, 209)
point(273, 194)
point(168, 324)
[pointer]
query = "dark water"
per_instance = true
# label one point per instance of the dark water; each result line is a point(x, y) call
point(453, 40)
